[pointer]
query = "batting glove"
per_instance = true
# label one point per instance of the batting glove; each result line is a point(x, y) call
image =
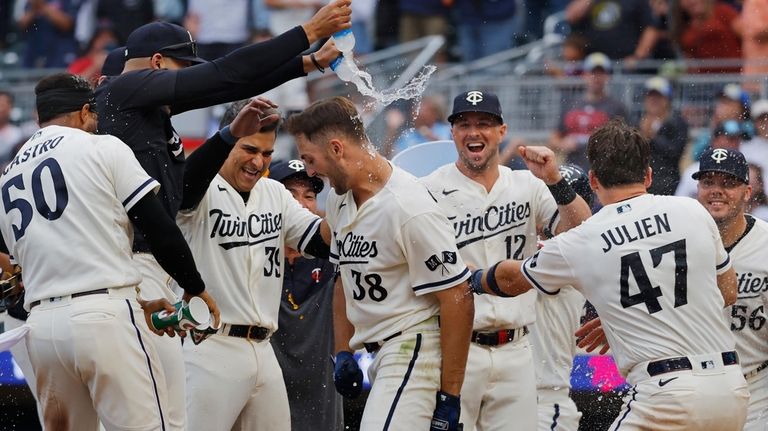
point(347, 375)
point(475, 282)
point(447, 412)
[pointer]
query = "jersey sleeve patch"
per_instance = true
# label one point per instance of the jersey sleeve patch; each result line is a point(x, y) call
point(148, 186)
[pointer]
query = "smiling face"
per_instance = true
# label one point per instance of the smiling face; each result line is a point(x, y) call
point(319, 161)
point(723, 195)
point(248, 160)
point(477, 136)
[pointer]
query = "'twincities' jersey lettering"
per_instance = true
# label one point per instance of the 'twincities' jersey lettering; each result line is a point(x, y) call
point(643, 228)
point(752, 284)
point(494, 219)
point(356, 246)
point(32, 152)
point(255, 226)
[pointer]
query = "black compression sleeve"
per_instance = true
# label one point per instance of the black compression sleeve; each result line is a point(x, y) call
point(317, 247)
point(201, 168)
point(167, 243)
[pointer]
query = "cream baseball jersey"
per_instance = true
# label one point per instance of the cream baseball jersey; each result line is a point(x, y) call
point(492, 226)
point(648, 265)
point(394, 249)
point(241, 245)
point(747, 316)
point(69, 189)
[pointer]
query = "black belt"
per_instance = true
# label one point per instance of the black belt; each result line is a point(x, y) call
point(750, 374)
point(251, 332)
point(374, 347)
point(34, 304)
point(498, 338)
point(676, 364)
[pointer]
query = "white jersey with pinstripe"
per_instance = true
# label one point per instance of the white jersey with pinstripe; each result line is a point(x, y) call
point(66, 195)
point(239, 246)
point(648, 265)
point(391, 252)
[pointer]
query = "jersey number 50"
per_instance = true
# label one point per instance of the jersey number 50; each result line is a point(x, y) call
point(631, 263)
point(38, 195)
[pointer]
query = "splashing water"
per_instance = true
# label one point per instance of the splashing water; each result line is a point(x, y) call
point(364, 83)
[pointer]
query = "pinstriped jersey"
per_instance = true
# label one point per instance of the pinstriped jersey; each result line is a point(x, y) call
point(492, 226)
point(391, 251)
point(648, 264)
point(747, 316)
point(65, 198)
point(239, 245)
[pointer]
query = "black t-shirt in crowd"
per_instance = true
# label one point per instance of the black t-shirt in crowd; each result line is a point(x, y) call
point(137, 106)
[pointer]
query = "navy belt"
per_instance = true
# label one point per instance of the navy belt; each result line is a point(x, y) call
point(249, 332)
point(497, 338)
point(374, 347)
point(683, 363)
point(34, 304)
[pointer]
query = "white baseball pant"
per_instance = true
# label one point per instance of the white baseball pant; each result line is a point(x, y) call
point(406, 377)
point(156, 284)
point(757, 412)
point(711, 399)
point(93, 361)
point(235, 384)
point(557, 411)
point(499, 384)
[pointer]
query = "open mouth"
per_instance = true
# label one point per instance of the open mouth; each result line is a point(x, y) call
point(475, 147)
point(251, 173)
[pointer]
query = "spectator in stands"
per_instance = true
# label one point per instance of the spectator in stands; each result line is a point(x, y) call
point(125, 15)
point(754, 27)
point(729, 135)
point(362, 25)
point(758, 204)
point(48, 28)
point(387, 24)
point(731, 103)
point(89, 64)
point(582, 116)
point(10, 134)
point(572, 55)
point(756, 149)
point(613, 27)
point(667, 132)
point(536, 12)
point(655, 42)
point(427, 126)
point(423, 18)
point(171, 10)
point(484, 27)
point(707, 30)
point(219, 26)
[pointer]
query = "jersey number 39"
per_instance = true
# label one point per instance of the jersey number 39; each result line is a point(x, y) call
point(55, 176)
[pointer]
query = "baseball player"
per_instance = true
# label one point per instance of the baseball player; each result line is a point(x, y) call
point(554, 345)
point(163, 76)
point(69, 198)
point(635, 260)
point(723, 187)
point(239, 227)
point(398, 270)
point(495, 213)
point(305, 338)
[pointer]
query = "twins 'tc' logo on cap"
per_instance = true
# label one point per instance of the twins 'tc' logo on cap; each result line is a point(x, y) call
point(474, 97)
point(296, 165)
point(719, 155)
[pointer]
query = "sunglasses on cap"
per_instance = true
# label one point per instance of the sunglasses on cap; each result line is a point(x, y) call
point(180, 49)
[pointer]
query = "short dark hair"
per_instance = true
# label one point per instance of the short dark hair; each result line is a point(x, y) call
point(332, 115)
point(61, 94)
point(618, 154)
point(235, 107)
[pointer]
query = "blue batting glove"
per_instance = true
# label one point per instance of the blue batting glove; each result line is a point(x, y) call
point(447, 412)
point(475, 284)
point(347, 375)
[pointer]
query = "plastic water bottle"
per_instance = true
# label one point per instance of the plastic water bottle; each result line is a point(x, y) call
point(343, 69)
point(344, 40)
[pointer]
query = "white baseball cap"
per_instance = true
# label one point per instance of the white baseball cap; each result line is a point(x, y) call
point(759, 108)
point(659, 85)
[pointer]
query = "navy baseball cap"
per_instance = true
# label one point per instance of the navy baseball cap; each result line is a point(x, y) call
point(162, 37)
point(283, 171)
point(114, 63)
point(726, 161)
point(476, 101)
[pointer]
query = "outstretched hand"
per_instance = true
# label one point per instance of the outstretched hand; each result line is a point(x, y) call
point(258, 113)
point(150, 306)
point(331, 18)
point(212, 306)
point(541, 162)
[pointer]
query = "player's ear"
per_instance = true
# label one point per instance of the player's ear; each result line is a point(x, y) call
point(648, 177)
point(336, 148)
point(593, 180)
point(156, 61)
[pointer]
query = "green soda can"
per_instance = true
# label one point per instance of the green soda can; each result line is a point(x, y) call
point(187, 315)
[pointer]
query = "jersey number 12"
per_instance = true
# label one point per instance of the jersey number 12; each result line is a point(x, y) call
point(38, 196)
point(631, 263)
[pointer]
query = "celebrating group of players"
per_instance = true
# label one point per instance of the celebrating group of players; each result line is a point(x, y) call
point(467, 284)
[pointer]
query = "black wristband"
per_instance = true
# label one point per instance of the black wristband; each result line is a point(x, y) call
point(492, 284)
point(562, 192)
point(315, 62)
